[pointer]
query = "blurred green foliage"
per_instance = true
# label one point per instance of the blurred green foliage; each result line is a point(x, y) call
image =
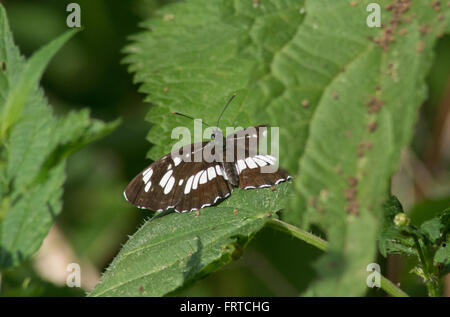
point(96, 219)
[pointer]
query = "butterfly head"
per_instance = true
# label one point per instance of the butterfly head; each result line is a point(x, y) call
point(216, 134)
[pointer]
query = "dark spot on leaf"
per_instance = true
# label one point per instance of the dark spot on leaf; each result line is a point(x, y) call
point(363, 147)
point(235, 211)
point(420, 46)
point(312, 202)
point(424, 29)
point(348, 133)
point(350, 193)
point(436, 5)
point(353, 208)
point(403, 31)
point(372, 126)
point(141, 289)
point(334, 94)
point(352, 181)
point(398, 8)
point(374, 104)
point(3, 66)
point(305, 103)
point(323, 193)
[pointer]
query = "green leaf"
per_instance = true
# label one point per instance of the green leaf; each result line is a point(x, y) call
point(28, 79)
point(391, 240)
point(366, 114)
point(227, 47)
point(344, 95)
point(178, 249)
point(432, 228)
point(34, 148)
point(443, 254)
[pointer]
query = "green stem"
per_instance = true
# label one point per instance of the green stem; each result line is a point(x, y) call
point(298, 233)
point(431, 285)
point(321, 244)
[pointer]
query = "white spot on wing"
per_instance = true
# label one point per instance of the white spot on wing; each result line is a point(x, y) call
point(218, 170)
point(147, 174)
point(146, 171)
point(259, 161)
point(165, 178)
point(196, 179)
point(266, 158)
point(187, 188)
point(203, 177)
point(250, 163)
point(240, 166)
point(169, 185)
point(180, 182)
point(211, 173)
point(176, 160)
point(147, 186)
point(271, 158)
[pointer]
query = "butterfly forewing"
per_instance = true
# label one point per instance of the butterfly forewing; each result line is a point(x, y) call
point(178, 181)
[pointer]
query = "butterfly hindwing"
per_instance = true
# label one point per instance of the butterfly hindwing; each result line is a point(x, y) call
point(249, 164)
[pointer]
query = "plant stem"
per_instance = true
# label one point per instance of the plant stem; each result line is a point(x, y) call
point(298, 233)
point(321, 244)
point(431, 285)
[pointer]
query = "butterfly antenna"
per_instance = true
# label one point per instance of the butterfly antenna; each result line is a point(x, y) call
point(225, 108)
point(186, 116)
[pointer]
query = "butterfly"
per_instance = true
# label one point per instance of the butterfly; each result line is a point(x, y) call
point(181, 182)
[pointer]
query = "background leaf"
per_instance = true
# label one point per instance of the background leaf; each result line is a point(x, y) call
point(34, 150)
point(363, 119)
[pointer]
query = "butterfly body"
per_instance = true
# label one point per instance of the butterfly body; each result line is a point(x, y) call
point(202, 174)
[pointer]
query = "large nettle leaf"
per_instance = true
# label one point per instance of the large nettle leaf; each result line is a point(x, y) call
point(345, 97)
point(364, 118)
point(33, 149)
